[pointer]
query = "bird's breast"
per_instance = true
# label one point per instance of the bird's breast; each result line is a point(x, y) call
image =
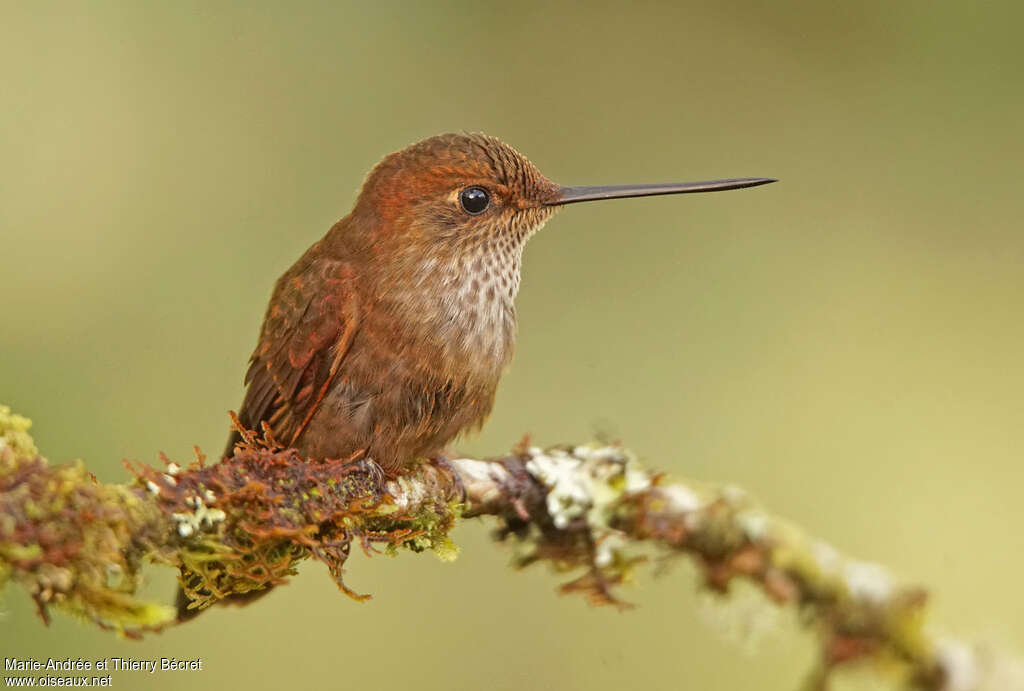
point(462, 311)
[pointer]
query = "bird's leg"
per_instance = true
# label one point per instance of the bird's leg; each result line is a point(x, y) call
point(442, 461)
point(359, 462)
point(375, 471)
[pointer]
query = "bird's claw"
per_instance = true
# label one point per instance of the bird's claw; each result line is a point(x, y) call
point(460, 487)
point(374, 471)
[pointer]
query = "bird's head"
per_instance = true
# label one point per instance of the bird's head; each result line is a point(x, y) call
point(462, 193)
point(449, 216)
point(457, 195)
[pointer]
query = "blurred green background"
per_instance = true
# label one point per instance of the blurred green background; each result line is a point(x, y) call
point(845, 344)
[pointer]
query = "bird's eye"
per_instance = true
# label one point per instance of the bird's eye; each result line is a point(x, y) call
point(474, 200)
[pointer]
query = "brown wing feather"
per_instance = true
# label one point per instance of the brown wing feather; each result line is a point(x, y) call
point(307, 330)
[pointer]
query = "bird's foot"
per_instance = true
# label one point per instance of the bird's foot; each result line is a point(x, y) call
point(375, 472)
point(442, 461)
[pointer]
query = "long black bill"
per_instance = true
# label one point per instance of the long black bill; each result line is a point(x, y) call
point(572, 195)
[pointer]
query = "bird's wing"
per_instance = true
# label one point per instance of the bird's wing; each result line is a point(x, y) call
point(308, 329)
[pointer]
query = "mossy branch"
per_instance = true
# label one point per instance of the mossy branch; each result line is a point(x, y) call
point(236, 527)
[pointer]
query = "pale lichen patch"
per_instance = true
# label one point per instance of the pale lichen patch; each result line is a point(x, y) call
point(734, 494)
point(868, 581)
point(959, 663)
point(608, 548)
point(754, 524)
point(826, 556)
point(481, 479)
point(200, 518)
point(588, 483)
point(681, 498)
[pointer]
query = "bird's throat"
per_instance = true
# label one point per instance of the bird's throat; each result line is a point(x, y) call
point(465, 305)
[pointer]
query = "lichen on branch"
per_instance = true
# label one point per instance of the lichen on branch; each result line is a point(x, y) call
point(239, 526)
point(72, 542)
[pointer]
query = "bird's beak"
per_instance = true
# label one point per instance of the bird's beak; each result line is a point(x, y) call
point(572, 195)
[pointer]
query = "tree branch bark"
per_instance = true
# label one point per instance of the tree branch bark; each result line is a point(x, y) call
point(239, 526)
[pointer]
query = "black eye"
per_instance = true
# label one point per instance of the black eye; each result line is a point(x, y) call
point(474, 200)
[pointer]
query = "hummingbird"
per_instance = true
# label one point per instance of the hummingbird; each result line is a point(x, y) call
point(388, 337)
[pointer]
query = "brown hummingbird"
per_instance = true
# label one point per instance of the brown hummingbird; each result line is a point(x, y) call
point(387, 338)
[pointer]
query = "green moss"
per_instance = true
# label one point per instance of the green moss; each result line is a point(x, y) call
point(12, 552)
point(14, 434)
point(63, 534)
point(436, 524)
